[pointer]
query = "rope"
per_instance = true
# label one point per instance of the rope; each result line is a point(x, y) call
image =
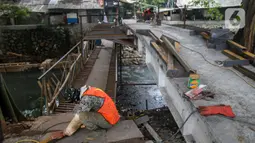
point(28, 140)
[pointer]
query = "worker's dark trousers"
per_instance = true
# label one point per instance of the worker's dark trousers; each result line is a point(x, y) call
point(93, 120)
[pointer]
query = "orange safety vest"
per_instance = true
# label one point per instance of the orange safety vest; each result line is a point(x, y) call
point(108, 109)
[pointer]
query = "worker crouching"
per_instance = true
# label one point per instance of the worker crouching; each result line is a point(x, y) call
point(95, 110)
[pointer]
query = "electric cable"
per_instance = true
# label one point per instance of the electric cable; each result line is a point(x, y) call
point(220, 66)
point(182, 124)
point(27, 140)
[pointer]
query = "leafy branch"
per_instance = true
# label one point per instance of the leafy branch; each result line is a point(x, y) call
point(211, 6)
point(13, 11)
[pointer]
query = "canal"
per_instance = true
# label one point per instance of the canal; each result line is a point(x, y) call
point(25, 91)
point(134, 101)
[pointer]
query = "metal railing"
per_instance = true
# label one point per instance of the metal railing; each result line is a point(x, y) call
point(60, 75)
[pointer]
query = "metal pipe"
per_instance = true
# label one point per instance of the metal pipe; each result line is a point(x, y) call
point(146, 104)
point(71, 50)
point(120, 63)
point(175, 53)
point(116, 64)
point(81, 32)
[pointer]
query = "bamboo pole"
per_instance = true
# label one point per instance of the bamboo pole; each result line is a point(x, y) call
point(2, 122)
point(49, 91)
point(55, 77)
point(8, 104)
point(65, 81)
point(54, 82)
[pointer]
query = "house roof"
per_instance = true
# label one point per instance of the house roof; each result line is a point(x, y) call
point(223, 3)
point(75, 4)
point(45, 5)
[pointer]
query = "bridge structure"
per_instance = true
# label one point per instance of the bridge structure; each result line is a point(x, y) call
point(172, 55)
point(77, 64)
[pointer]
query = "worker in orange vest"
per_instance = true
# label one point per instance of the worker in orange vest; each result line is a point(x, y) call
point(95, 109)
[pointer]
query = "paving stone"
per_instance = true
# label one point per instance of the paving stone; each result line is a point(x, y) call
point(124, 130)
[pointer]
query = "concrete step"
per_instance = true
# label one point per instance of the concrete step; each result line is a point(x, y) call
point(124, 132)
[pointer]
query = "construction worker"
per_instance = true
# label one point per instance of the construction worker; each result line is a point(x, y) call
point(95, 110)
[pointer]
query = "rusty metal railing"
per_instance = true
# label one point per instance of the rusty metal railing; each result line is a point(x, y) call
point(59, 75)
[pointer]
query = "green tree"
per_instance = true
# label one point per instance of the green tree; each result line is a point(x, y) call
point(12, 11)
point(211, 6)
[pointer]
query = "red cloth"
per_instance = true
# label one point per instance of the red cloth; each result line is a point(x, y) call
point(225, 110)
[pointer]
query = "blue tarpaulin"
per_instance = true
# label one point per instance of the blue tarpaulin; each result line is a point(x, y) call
point(98, 42)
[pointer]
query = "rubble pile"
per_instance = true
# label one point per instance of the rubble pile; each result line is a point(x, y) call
point(130, 56)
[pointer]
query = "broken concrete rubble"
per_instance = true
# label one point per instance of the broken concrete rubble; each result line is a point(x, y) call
point(131, 56)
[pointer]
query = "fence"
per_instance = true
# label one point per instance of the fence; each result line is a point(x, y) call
point(59, 76)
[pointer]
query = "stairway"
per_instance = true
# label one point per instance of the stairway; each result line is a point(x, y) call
point(79, 81)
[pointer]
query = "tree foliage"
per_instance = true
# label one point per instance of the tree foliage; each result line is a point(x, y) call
point(154, 2)
point(211, 6)
point(13, 11)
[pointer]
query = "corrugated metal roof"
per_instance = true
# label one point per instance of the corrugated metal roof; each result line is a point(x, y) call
point(75, 4)
point(223, 3)
point(44, 5)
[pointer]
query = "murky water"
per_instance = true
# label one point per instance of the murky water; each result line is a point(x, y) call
point(137, 74)
point(24, 89)
point(140, 97)
point(138, 100)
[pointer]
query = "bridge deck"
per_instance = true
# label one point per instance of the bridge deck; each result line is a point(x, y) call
point(229, 88)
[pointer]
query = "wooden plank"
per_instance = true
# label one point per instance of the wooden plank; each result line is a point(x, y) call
point(205, 35)
point(249, 54)
point(160, 51)
point(153, 133)
point(245, 71)
point(232, 55)
point(241, 50)
point(236, 45)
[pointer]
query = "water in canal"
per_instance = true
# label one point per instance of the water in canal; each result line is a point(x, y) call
point(25, 90)
point(137, 100)
point(140, 97)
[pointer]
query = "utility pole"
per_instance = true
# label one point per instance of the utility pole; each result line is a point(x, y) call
point(184, 16)
point(134, 11)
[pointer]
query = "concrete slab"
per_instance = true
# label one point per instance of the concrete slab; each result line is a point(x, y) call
point(86, 136)
point(51, 123)
point(99, 74)
point(230, 89)
point(124, 130)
